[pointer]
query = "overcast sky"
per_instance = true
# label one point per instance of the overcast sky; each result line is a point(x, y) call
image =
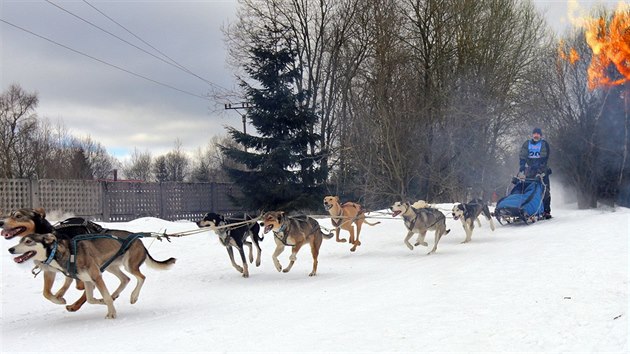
point(117, 108)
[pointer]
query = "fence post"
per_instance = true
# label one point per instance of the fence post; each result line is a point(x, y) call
point(213, 197)
point(105, 202)
point(35, 203)
point(162, 196)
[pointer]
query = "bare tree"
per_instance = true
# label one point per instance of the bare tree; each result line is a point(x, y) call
point(172, 167)
point(100, 162)
point(17, 124)
point(139, 167)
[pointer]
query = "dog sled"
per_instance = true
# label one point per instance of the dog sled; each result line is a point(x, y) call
point(523, 203)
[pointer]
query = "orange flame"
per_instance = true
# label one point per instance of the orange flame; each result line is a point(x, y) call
point(610, 45)
point(572, 56)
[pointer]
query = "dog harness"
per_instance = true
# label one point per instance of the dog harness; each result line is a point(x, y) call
point(416, 212)
point(283, 236)
point(125, 243)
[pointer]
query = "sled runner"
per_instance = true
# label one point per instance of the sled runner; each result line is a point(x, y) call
point(523, 203)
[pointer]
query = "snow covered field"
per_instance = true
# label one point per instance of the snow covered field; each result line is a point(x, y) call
point(558, 285)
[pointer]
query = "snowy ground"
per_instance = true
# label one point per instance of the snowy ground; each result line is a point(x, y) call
point(555, 286)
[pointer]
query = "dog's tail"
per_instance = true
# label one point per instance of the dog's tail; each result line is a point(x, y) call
point(328, 235)
point(371, 224)
point(362, 216)
point(447, 231)
point(160, 265)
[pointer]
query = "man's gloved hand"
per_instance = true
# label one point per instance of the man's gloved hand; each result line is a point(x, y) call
point(520, 175)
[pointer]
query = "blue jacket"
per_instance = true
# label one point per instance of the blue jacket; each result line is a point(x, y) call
point(534, 154)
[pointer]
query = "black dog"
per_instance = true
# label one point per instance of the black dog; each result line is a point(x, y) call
point(236, 236)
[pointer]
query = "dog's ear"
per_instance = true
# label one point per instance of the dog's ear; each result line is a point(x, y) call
point(337, 199)
point(41, 212)
point(49, 239)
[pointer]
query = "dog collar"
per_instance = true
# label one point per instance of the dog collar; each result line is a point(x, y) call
point(37, 269)
point(52, 254)
point(282, 228)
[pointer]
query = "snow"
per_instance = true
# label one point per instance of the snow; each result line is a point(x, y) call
point(558, 285)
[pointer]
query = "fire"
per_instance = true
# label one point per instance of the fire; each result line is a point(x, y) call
point(610, 43)
point(572, 56)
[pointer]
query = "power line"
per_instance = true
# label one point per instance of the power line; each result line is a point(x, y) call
point(154, 48)
point(104, 62)
point(127, 42)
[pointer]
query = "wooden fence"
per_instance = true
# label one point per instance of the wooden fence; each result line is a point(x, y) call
point(119, 201)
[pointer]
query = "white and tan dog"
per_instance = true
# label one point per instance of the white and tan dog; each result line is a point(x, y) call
point(420, 221)
point(294, 231)
point(85, 262)
point(469, 212)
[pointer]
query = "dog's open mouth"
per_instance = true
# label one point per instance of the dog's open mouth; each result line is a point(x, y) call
point(395, 213)
point(24, 257)
point(268, 228)
point(327, 206)
point(11, 233)
point(455, 217)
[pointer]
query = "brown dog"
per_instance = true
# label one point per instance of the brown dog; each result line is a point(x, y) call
point(294, 231)
point(23, 222)
point(343, 216)
point(89, 259)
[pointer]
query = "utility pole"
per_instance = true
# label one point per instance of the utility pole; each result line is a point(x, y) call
point(236, 107)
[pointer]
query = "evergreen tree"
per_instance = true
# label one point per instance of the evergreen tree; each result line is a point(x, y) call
point(160, 170)
point(281, 162)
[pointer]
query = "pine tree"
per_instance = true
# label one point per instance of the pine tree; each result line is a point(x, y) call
point(281, 162)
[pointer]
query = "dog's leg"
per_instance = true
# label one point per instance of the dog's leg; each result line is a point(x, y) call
point(62, 291)
point(350, 229)
point(89, 293)
point(292, 257)
point(136, 291)
point(315, 245)
point(468, 229)
point(409, 234)
point(276, 253)
point(420, 240)
point(251, 251)
point(337, 231)
point(478, 222)
point(438, 236)
point(359, 224)
point(49, 280)
point(258, 251)
point(77, 304)
point(245, 266)
point(107, 298)
point(491, 223)
point(124, 280)
point(231, 254)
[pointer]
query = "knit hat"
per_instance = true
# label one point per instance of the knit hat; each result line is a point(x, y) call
point(537, 130)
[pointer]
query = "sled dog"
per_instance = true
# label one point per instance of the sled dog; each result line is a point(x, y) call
point(469, 212)
point(86, 260)
point(236, 237)
point(343, 216)
point(294, 231)
point(23, 222)
point(420, 221)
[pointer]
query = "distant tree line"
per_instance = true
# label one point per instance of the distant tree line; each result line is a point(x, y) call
point(431, 99)
point(381, 100)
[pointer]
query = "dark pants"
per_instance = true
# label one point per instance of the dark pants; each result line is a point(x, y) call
point(547, 196)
